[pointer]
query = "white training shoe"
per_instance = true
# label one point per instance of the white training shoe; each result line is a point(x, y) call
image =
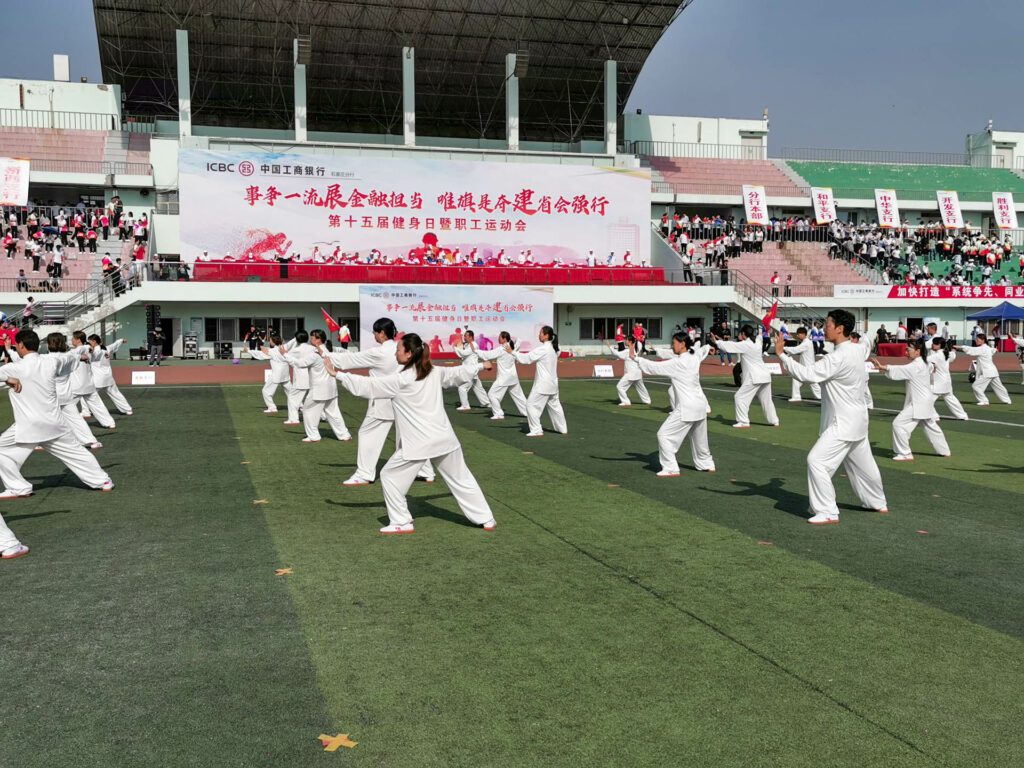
point(310, 440)
point(403, 528)
point(624, 405)
point(823, 519)
point(291, 422)
point(39, 448)
point(108, 486)
point(497, 418)
point(14, 495)
point(96, 445)
point(269, 411)
point(86, 415)
point(535, 434)
point(738, 425)
point(908, 457)
point(346, 438)
point(20, 549)
point(795, 400)
point(666, 473)
point(490, 525)
point(467, 408)
point(356, 480)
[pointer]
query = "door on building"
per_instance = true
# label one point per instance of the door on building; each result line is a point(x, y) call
point(751, 148)
point(167, 327)
point(914, 324)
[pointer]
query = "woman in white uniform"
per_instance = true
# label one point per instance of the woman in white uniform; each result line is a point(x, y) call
point(544, 392)
point(942, 383)
point(804, 354)
point(469, 351)
point(987, 373)
point(918, 405)
point(380, 415)
point(426, 433)
point(57, 343)
point(632, 376)
point(507, 378)
point(82, 386)
point(103, 376)
point(322, 396)
point(689, 407)
point(757, 379)
point(280, 371)
point(865, 348)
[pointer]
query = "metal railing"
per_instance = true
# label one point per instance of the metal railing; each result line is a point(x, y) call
point(101, 167)
point(33, 284)
point(46, 118)
point(697, 150)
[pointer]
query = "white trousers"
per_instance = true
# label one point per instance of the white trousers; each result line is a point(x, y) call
point(982, 383)
point(116, 398)
point(956, 408)
point(903, 426)
point(269, 390)
point(65, 449)
point(641, 390)
point(798, 385)
point(399, 473)
point(823, 461)
point(7, 537)
point(373, 433)
point(671, 436)
point(92, 405)
point(295, 398)
point(79, 428)
point(312, 410)
point(745, 394)
point(478, 390)
point(535, 406)
point(497, 394)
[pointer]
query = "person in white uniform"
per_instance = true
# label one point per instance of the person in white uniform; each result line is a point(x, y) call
point(756, 378)
point(987, 374)
point(803, 352)
point(865, 347)
point(689, 416)
point(322, 396)
point(280, 372)
point(380, 415)
point(38, 420)
point(57, 344)
point(506, 380)
point(918, 404)
point(843, 434)
point(424, 430)
point(940, 358)
point(1019, 341)
point(544, 392)
point(468, 351)
point(83, 386)
point(103, 376)
point(632, 376)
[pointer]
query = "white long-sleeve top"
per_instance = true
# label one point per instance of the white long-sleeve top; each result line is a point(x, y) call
point(420, 417)
point(102, 375)
point(305, 359)
point(81, 374)
point(749, 352)
point(844, 381)
point(280, 371)
point(983, 358)
point(919, 401)
point(468, 352)
point(690, 403)
point(631, 371)
point(942, 382)
point(300, 358)
point(380, 361)
point(37, 414)
point(545, 379)
point(507, 374)
point(803, 352)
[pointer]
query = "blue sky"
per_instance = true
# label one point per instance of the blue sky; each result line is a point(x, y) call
point(872, 74)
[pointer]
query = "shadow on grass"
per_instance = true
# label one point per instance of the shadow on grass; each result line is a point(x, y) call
point(11, 518)
point(785, 501)
point(996, 468)
point(650, 460)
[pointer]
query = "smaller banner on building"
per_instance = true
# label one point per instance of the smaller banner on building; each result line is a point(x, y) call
point(824, 205)
point(984, 292)
point(949, 209)
point(755, 203)
point(13, 181)
point(1005, 213)
point(888, 208)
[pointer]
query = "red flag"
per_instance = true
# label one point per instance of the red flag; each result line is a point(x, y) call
point(332, 326)
point(766, 321)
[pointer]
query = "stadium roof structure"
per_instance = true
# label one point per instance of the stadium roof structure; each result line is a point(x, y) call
point(241, 61)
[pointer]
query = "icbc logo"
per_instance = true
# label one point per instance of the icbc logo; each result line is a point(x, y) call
point(246, 168)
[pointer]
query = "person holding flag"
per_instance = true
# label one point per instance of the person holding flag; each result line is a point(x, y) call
point(344, 335)
point(756, 378)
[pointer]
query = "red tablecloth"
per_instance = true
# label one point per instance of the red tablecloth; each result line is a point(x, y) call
point(892, 350)
point(1008, 345)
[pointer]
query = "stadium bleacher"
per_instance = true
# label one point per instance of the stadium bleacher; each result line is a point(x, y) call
point(701, 176)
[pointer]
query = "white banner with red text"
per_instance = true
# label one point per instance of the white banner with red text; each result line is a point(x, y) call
point(261, 206)
point(824, 205)
point(13, 181)
point(928, 291)
point(440, 314)
point(887, 207)
point(949, 209)
point(1002, 208)
point(756, 204)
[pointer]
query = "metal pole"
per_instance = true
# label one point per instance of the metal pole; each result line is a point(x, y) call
point(300, 94)
point(184, 87)
point(409, 96)
point(511, 103)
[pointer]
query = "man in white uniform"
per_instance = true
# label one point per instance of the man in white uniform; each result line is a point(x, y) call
point(322, 397)
point(280, 372)
point(38, 420)
point(82, 386)
point(804, 354)
point(469, 352)
point(987, 373)
point(631, 375)
point(103, 376)
point(507, 378)
point(756, 378)
point(843, 435)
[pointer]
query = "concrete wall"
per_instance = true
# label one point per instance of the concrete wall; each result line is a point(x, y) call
point(690, 130)
point(60, 97)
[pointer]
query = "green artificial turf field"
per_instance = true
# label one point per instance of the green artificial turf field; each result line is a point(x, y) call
point(614, 618)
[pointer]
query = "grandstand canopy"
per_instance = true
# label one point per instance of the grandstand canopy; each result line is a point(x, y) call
point(241, 61)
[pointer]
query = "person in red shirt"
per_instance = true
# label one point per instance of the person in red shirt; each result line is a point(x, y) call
point(620, 337)
point(639, 337)
point(11, 245)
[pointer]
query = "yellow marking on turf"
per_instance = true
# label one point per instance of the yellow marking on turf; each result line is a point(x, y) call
point(283, 571)
point(527, 453)
point(331, 743)
point(247, 462)
point(260, 501)
point(612, 485)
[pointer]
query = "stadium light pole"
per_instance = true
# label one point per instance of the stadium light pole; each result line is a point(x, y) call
point(511, 104)
point(409, 96)
point(184, 87)
point(611, 107)
point(300, 90)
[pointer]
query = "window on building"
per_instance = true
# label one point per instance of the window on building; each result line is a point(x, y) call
point(597, 328)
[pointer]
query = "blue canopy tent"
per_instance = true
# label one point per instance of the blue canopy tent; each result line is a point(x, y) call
point(1004, 311)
